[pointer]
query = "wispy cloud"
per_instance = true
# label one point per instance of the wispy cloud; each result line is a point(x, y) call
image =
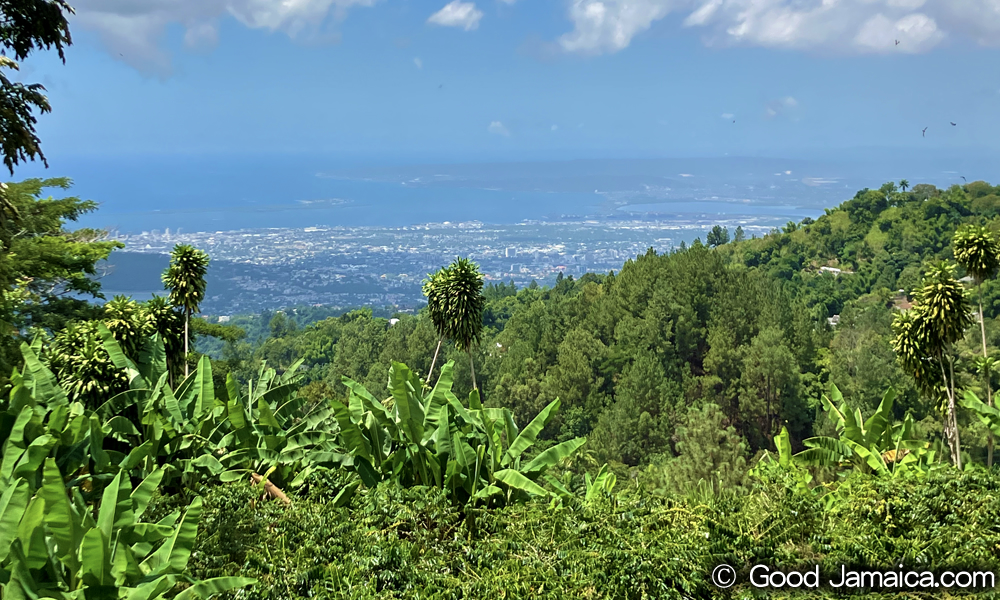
point(457, 14)
point(419, 63)
point(846, 26)
point(498, 128)
point(134, 31)
point(780, 106)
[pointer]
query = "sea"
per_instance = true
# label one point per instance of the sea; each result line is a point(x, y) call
point(222, 193)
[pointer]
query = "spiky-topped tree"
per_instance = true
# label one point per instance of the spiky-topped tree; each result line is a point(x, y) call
point(167, 321)
point(185, 279)
point(924, 338)
point(455, 302)
point(977, 250)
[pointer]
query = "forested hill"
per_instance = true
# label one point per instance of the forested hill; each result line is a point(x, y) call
point(882, 236)
point(704, 347)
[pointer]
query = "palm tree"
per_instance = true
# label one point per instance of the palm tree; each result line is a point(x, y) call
point(185, 279)
point(164, 319)
point(903, 184)
point(455, 302)
point(924, 338)
point(977, 250)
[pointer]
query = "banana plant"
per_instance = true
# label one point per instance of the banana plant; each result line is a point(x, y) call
point(53, 546)
point(38, 421)
point(199, 436)
point(987, 415)
point(421, 437)
point(273, 430)
point(875, 445)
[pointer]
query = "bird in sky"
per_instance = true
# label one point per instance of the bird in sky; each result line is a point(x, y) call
point(897, 42)
point(953, 123)
point(923, 132)
point(964, 179)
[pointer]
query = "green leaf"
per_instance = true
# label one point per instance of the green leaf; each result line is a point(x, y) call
point(122, 426)
point(368, 474)
point(47, 389)
point(59, 517)
point(141, 495)
point(32, 459)
point(118, 403)
point(474, 403)
point(873, 459)
point(486, 492)
point(558, 486)
point(95, 554)
point(823, 451)
point(207, 461)
point(234, 475)
point(265, 415)
point(232, 388)
point(553, 455)
point(172, 557)
point(22, 584)
point(137, 455)
point(518, 481)
point(116, 507)
point(204, 388)
point(881, 419)
point(343, 497)
point(527, 437)
point(407, 405)
point(210, 587)
point(153, 589)
point(13, 503)
point(784, 448)
point(350, 433)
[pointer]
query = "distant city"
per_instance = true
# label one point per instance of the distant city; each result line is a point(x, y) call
point(307, 235)
point(255, 270)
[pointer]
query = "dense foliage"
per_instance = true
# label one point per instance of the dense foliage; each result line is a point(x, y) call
point(792, 400)
point(396, 543)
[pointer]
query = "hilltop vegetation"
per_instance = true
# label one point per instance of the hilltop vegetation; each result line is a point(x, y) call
point(621, 433)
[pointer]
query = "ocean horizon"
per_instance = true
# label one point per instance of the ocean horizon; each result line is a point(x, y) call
point(216, 193)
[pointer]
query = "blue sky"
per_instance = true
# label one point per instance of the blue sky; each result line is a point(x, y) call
point(422, 80)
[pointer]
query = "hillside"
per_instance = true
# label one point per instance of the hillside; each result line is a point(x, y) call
point(744, 326)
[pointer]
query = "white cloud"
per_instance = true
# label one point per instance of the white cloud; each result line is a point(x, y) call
point(606, 26)
point(458, 14)
point(498, 128)
point(780, 106)
point(555, 127)
point(843, 26)
point(134, 30)
point(914, 32)
point(419, 63)
point(727, 116)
